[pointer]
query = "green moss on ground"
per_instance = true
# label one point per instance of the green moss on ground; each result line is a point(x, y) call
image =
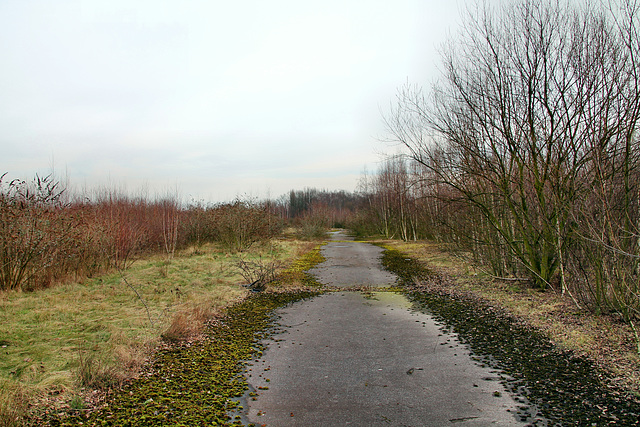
point(408, 270)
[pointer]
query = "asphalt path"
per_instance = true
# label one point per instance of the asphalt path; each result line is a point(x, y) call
point(366, 359)
point(351, 264)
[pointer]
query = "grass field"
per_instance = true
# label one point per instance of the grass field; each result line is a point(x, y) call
point(60, 343)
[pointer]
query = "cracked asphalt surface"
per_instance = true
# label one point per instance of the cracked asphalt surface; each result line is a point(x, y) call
point(366, 359)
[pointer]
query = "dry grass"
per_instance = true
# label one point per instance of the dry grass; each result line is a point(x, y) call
point(14, 404)
point(605, 339)
point(58, 343)
point(188, 322)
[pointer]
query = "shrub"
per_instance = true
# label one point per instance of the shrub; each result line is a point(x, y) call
point(260, 272)
point(315, 222)
point(240, 224)
point(35, 233)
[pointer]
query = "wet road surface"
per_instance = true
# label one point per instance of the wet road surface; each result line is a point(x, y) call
point(367, 359)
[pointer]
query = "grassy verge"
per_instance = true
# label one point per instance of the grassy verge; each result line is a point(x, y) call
point(61, 344)
point(194, 385)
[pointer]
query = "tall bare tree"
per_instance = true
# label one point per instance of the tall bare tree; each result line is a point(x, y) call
point(535, 95)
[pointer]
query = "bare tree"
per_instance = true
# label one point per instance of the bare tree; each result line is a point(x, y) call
point(534, 95)
point(170, 207)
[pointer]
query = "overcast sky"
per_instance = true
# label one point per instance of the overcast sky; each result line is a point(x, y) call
point(219, 98)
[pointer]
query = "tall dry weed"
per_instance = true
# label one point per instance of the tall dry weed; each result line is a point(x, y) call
point(14, 404)
point(189, 323)
point(94, 373)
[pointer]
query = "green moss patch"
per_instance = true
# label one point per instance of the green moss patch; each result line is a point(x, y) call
point(296, 275)
point(407, 269)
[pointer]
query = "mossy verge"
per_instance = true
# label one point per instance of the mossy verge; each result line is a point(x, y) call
point(194, 385)
point(407, 269)
point(297, 273)
point(563, 388)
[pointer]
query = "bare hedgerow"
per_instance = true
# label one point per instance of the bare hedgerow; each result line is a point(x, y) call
point(35, 233)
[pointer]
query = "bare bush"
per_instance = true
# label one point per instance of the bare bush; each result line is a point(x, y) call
point(240, 224)
point(314, 222)
point(259, 273)
point(35, 233)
